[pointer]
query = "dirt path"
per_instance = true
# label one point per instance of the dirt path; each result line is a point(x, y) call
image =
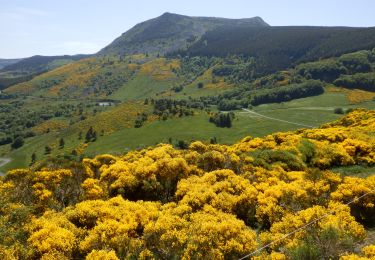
point(275, 119)
point(4, 161)
point(303, 108)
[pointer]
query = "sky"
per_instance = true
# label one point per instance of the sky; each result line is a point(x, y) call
point(52, 27)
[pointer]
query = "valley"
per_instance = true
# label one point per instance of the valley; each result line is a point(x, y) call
point(65, 103)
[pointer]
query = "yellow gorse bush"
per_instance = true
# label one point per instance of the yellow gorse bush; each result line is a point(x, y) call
point(209, 201)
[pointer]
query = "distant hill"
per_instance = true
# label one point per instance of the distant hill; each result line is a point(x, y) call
point(170, 32)
point(7, 62)
point(20, 70)
point(277, 48)
point(39, 63)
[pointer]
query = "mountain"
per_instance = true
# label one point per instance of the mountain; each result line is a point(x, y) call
point(170, 32)
point(260, 49)
point(277, 48)
point(274, 47)
point(21, 70)
point(6, 62)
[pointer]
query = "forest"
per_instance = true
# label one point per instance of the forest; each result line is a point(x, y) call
point(280, 47)
point(352, 71)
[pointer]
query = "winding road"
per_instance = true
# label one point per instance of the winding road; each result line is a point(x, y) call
point(275, 119)
point(4, 161)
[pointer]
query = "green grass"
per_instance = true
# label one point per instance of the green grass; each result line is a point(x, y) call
point(195, 92)
point(355, 170)
point(160, 131)
point(310, 111)
point(328, 100)
point(185, 128)
point(22, 156)
point(313, 111)
point(198, 128)
point(142, 87)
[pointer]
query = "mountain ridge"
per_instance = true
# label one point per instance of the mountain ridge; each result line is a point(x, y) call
point(170, 32)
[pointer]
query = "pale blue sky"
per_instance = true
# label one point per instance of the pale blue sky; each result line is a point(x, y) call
point(52, 27)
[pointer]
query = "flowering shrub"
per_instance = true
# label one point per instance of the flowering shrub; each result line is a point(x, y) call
point(208, 201)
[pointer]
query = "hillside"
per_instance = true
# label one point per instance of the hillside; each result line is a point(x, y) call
point(38, 63)
point(351, 71)
point(276, 48)
point(7, 62)
point(170, 32)
point(126, 78)
point(205, 201)
point(22, 70)
point(173, 100)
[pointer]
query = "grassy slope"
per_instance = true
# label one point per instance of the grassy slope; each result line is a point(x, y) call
point(79, 80)
point(141, 87)
point(186, 128)
point(109, 121)
point(209, 87)
point(154, 78)
point(311, 111)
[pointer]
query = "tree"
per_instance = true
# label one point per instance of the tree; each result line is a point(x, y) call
point(165, 116)
point(228, 120)
point(285, 93)
point(178, 89)
point(200, 85)
point(213, 140)
point(339, 110)
point(140, 120)
point(47, 149)
point(90, 135)
point(61, 143)
point(33, 159)
point(182, 144)
point(17, 143)
point(364, 81)
point(138, 123)
point(94, 136)
point(222, 119)
point(6, 140)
